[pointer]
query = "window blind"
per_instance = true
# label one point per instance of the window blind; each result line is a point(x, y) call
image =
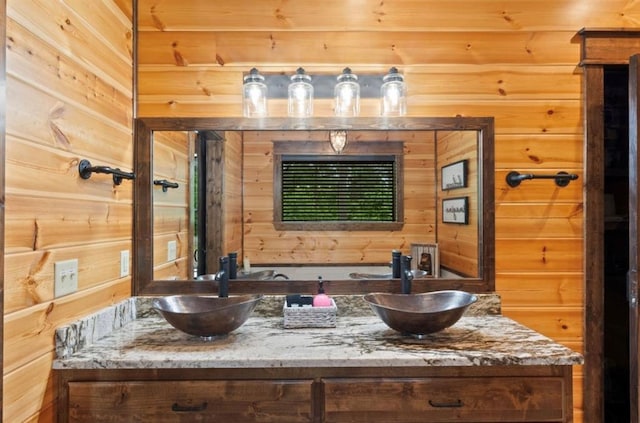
point(345, 190)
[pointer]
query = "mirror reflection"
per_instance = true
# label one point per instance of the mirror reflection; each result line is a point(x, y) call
point(225, 190)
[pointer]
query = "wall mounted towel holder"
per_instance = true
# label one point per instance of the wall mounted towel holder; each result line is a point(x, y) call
point(85, 169)
point(562, 179)
point(165, 184)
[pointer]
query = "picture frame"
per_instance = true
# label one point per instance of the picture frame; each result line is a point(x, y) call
point(426, 257)
point(455, 210)
point(454, 175)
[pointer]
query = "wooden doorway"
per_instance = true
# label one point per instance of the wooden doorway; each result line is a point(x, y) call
point(601, 49)
point(616, 240)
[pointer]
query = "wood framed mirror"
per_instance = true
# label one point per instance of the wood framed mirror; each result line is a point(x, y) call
point(234, 201)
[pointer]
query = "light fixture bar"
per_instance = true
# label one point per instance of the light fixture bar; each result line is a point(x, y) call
point(323, 85)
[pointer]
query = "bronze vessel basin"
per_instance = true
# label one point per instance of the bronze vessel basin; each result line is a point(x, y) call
point(357, 275)
point(206, 316)
point(420, 314)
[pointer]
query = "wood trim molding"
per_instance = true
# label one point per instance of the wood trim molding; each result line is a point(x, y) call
point(3, 102)
point(608, 46)
point(594, 244)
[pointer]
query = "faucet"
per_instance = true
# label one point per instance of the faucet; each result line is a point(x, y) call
point(223, 277)
point(406, 276)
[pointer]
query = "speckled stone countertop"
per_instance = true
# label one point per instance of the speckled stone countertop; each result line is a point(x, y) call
point(130, 335)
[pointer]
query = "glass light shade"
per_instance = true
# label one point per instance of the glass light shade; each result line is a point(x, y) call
point(254, 95)
point(347, 95)
point(300, 95)
point(338, 140)
point(393, 94)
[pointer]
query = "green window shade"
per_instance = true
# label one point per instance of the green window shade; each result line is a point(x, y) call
point(345, 190)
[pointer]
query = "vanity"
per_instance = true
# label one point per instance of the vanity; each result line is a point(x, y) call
point(128, 364)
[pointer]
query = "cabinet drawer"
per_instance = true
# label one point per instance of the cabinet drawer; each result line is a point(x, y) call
point(186, 401)
point(490, 399)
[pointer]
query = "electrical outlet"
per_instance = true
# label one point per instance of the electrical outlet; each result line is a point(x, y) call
point(124, 263)
point(65, 277)
point(172, 251)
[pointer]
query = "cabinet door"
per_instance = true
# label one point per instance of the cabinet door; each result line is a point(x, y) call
point(238, 401)
point(491, 399)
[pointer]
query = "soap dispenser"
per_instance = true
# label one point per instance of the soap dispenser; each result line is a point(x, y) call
point(321, 299)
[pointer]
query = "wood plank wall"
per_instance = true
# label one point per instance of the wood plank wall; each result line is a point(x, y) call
point(263, 244)
point(172, 158)
point(233, 194)
point(515, 61)
point(69, 96)
point(458, 244)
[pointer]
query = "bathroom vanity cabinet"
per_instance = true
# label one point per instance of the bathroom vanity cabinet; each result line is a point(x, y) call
point(485, 368)
point(470, 394)
point(367, 395)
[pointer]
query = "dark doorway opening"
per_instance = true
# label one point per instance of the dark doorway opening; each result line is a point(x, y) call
point(616, 244)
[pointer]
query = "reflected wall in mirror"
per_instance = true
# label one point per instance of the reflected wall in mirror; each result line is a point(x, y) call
point(227, 184)
point(174, 203)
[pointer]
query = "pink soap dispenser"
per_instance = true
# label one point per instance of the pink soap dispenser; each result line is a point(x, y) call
point(321, 299)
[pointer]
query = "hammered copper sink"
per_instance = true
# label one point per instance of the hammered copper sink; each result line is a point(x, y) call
point(206, 316)
point(420, 314)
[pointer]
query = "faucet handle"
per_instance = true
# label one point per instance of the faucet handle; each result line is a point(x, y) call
point(406, 276)
point(406, 263)
point(223, 277)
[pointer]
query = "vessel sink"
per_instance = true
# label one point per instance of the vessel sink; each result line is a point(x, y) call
point(358, 275)
point(262, 275)
point(420, 314)
point(206, 316)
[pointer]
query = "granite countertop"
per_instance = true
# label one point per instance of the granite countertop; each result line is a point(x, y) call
point(131, 336)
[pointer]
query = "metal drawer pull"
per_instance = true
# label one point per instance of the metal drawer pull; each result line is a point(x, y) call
point(453, 404)
point(188, 408)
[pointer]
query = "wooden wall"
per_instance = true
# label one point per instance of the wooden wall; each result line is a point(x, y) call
point(515, 61)
point(172, 159)
point(263, 244)
point(458, 243)
point(69, 96)
point(233, 194)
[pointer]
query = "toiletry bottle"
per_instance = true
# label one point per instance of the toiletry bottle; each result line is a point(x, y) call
point(321, 299)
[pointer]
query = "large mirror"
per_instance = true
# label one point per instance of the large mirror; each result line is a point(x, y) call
point(207, 187)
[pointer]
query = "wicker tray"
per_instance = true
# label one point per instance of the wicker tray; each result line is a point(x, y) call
point(310, 317)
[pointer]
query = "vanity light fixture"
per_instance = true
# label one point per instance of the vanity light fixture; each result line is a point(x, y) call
point(254, 95)
point(347, 94)
point(338, 140)
point(346, 90)
point(393, 94)
point(300, 95)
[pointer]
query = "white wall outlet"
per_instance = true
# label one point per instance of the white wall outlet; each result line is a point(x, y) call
point(65, 277)
point(172, 250)
point(124, 263)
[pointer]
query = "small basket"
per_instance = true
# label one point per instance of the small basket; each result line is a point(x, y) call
point(310, 317)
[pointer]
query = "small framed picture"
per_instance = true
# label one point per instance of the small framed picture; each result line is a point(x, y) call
point(426, 258)
point(455, 210)
point(454, 175)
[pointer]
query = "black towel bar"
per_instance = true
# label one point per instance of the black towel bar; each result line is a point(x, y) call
point(85, 169)
point(165, 184)
point(562, 179)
